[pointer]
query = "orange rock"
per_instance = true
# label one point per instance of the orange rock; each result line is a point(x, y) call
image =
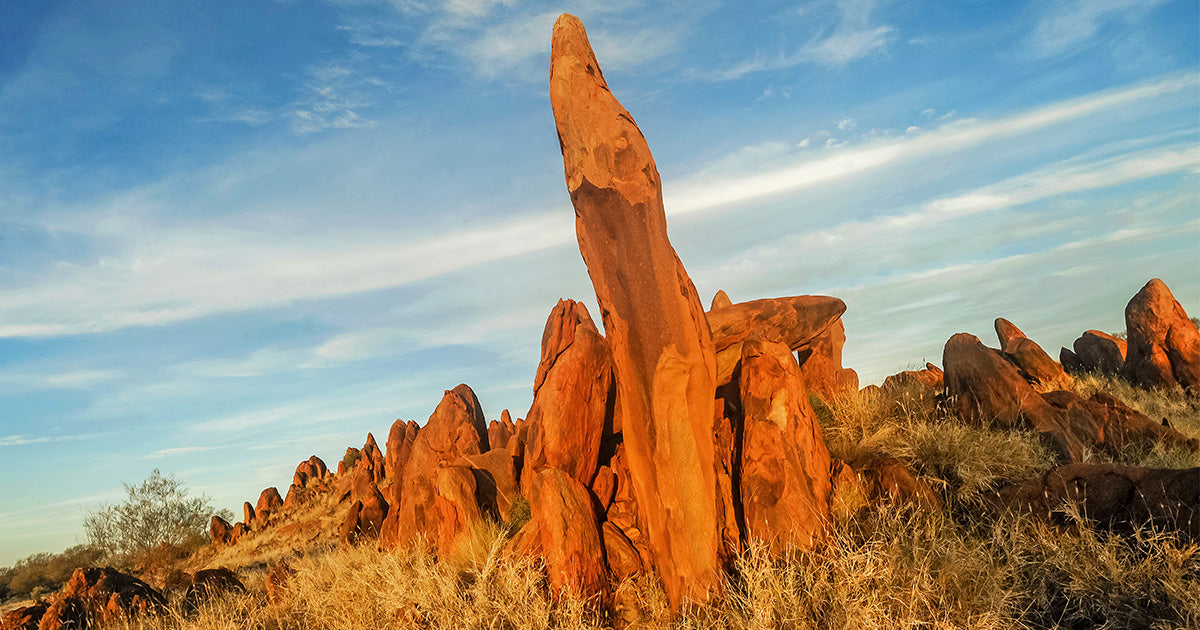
point(568, 535)
point(208, 584)
point(1100, 352)
point(792, 321)
point(23, 618)
point(268, 502)
point(1033, 362)
point(1105, 422)
point(931, 378)
point(1070, 361)
point(456, 428)
point(495, 480)
point(604, 487)
point(661, 345)
point(985, 388)
point(455, 505)
point(720, 300)
point(623, 560)
point(219, 531)
point(727, 509)
point(501, 431)
point(1164, 344)
point(785, 466)
point(892, 479)
point(573, 396)
point(277, 583)
point(100, 596)
point(239, 530)
point(399, 448)
point(821, 364)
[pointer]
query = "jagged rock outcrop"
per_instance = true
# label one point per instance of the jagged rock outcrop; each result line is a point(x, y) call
point(268, 502)
point(1071, 363)
point(365, 519)
point(573, 397)
point(456, 428)
point(23, 618)
point(456, 506)
point(1119, 497)
point(785, 465)
point(563, 531)
point(1035, 365)
point(821, 364)
point(792, 321)
point(95, 596)
point(1164, 344)
point(1099, 352)
point(1105, 422)
point(495, 480)
point(985, 388)
point(501, 431)
point(219, 530)
point(249, 517)
point(662, 348)
point(720, 300)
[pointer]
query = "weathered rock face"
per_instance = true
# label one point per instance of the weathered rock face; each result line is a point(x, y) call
point(100, 596)
point(792, 321)
point(1100, 352)
point(249, 517)
point(495, 480)
point(1035, 365)
point(23, 618)
point(219, 530)
point(821, 364)
point(661, 345)
point(1164, 345)
point(1105, 422)
point(502, 430)
point(573, 398)
point(931, 378)
point(568, 537)
point(268, 502)
point(1117, 496)
point(720, 300)
point(455, 505)
point(456, 428)
point(399, 447)
point(785, 466)
point(371, 459)
point(985, 388)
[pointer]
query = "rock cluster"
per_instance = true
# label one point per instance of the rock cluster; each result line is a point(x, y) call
point(92, 597)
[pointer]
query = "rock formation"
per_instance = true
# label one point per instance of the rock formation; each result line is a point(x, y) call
point(785, 466)
point(662, 348)
point(1100, 352)
point(207, 584)
point(573, 395)
point(456, 428)
point(1035, 365)
point(268, 502)
point(792, 321)
point(563, 531)
point(1164, 344)
point(821, 364)
point(100, 596)
point(219, 530)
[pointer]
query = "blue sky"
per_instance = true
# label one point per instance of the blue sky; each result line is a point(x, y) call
point(234, 234)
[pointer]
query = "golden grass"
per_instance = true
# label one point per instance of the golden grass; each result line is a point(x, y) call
point(1181, 410)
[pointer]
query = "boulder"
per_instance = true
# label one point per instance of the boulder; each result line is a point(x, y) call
point(720, 300)
point(399, 448)
point(1035, 365)
point(208, 584)
point(1104, 422)
point(248, 514)
point(662, 348)
point(455, 505)
point(96, 596)
point(495, 480)
point(568, 537)
point(1100, 352)
point(239, 530)
point(268, 502)
point(821, 364)
point(984, 388)
point(792, 321)
point(1121, 497)
point(785, 465)
point(371, 459)
point(277, 583)
point(573, 397)
point(931, 378)
point(892, 479)
point(1070, 361)
point(1007, 332)
point(1164, 344)
point(456, 428)
point(623, 560)
point(23, 617)
point(219, 531)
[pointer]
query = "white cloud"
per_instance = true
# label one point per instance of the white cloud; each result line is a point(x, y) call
point(22, 440)
point(842, 48)
point(846, 124)
point(180, 450)
point(1066, 25)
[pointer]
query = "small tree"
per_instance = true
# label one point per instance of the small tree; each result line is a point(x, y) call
point(156, 512)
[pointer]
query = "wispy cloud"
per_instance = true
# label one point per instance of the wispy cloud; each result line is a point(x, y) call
point(1064, 26)
point(22, 440)
point(180, 450)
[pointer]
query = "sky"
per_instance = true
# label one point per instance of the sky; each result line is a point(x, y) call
point(235, 234)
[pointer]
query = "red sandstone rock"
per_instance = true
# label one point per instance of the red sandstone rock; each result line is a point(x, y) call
point(268, 502)
point(208, 584)
point(568, 535)
point(399, 448)
point(1100, 352)
point(821, 364)
point(573, 401)
point(1122, 497)
point(1033, 362)
point(792, 321)
point(1105, 422)
point(100, 596)
point(456, 428)
point(219, 531)
point(604, 487)
point(1164, 344)
point(495, 480)
point(661, 345)
point(249, 518)
point(623, 559)
point(455, 505)
point(985, 388)
point(720, 300)
point(785, 466)
point(239, 530)
point(931, 379)
point(893, 479)
point(728, 510)
point(501, 431)
point(23, 618)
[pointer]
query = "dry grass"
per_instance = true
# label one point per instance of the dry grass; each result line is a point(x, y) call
point(1178, 408)
point(889, 567)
